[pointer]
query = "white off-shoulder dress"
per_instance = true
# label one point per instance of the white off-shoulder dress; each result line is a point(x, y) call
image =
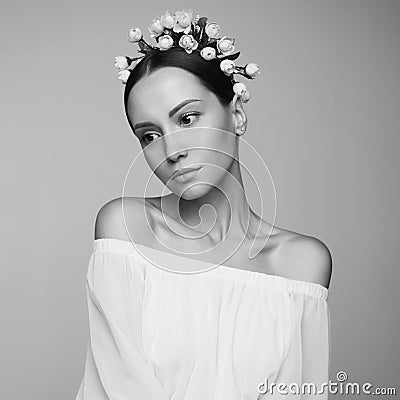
point(222, 334)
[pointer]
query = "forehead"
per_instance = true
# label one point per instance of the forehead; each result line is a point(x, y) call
point(163, 89)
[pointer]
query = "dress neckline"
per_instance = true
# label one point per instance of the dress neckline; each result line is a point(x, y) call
point(127, 247)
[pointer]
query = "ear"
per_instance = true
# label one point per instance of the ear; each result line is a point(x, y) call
point(239, 115)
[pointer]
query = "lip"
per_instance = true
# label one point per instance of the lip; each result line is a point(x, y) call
point(184, 174)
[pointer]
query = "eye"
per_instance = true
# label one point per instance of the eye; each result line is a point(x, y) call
point(187, 118)
point(146, 137)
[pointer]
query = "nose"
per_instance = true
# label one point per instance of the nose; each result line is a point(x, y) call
point(173, 150)
point(173, 158)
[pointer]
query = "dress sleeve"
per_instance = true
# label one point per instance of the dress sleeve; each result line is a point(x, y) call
point(307, 362)
point(116, 367)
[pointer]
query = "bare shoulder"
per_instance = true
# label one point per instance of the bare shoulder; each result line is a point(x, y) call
point(305, 258)
point(121, 218)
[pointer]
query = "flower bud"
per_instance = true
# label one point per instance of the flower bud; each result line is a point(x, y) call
point(183, 20)
point(227, 66)
point(167, 20)
point(246, 96)
point(239, 88)
point(165, 42)
point(134, 35)
point(188, 42)
point(208, 53)
point(155, 28)
point(124, 75)
point(212, 30)
point(121, 62)
point(226, 46)
point(252, 70)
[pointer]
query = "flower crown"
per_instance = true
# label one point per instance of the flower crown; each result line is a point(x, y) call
point(181, 30)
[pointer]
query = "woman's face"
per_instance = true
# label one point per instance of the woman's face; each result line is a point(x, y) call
point(180, 124)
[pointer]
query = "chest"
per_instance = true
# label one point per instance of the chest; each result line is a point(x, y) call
point(251, 255)
point(213, 328)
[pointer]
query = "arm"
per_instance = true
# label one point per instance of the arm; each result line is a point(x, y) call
point(308, 358)
point(117, 367)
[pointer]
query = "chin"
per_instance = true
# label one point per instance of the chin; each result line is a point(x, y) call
point(192, 192)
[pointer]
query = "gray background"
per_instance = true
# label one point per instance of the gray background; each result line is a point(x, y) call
point(324, 116)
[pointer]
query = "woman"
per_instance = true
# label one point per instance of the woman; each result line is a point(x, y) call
point(178, 308)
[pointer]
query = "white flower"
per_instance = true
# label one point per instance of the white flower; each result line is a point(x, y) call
point(239, 88)
point(124, 75)
point(245, 96)
point(252, 70)
point(155, 28)
point(227, 66)
point(165, 42)
point(183, 20)
point(134, 35)
point(208, 53)
point(167, 20)
point(188, 42)
point(226, 46)
point(121, 62)
point(212, 30)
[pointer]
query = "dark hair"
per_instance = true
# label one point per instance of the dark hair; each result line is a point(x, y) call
point(208, 72)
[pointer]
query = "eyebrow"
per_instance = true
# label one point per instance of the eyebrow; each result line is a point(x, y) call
point(170, 114)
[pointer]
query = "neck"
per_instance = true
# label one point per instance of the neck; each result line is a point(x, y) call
point(227, 213)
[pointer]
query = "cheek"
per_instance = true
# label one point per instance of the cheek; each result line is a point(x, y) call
point(150, 158)
point(221, 136)
point(217, 154)
point(155, 160)
point(216, 163)
point(218, 143)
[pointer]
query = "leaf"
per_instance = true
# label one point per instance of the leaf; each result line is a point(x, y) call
point(203, 37)
point(176, 36)
point(144, 47)
point(194, 32)
point(202, 22)
point(232, 56)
